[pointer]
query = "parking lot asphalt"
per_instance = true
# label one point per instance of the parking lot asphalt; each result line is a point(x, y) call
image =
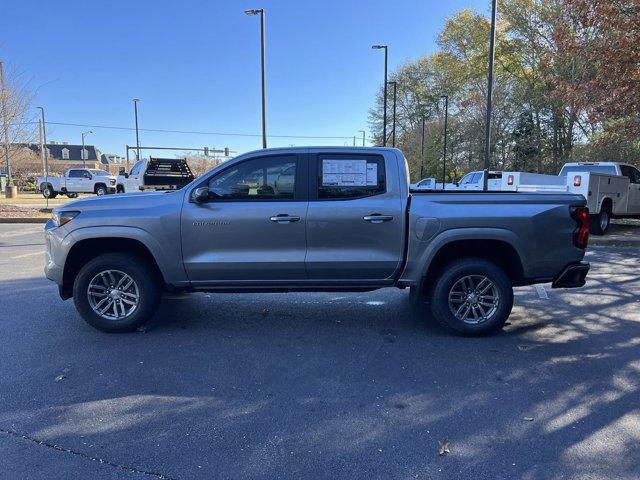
point(319, 385)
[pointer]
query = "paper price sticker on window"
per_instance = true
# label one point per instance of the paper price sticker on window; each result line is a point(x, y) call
point(348, 173)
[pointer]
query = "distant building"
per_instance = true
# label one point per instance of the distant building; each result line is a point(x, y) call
point(113, 163)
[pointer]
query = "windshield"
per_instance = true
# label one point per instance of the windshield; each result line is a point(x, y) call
point(608, 169)
point(99, 173)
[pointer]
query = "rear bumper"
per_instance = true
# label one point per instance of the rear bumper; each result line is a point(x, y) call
point(573, 275)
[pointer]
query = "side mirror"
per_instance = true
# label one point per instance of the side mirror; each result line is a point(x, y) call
point(457, 184)
point(200, 195)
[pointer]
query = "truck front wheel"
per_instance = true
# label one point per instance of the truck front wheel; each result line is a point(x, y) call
point(101, 190)
point(116, 292)
point(472, 296)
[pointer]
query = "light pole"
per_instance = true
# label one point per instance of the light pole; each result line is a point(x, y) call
point(487, 129)
point(44, 150)
point(384, 108)
point(135, 111)
point(444, 148)
point(363, 133)
point(260, 11)
point(82, 154)
point(393, 130)
point(422, 149)
point(4, 94)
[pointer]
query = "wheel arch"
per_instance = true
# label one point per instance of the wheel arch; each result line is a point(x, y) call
point(495, 246)
point(88, 248)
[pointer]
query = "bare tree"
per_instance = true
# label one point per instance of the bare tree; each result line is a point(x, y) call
point(18, 125)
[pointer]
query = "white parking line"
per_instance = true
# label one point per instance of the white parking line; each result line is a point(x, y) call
point(542, 293)
point(41, 252)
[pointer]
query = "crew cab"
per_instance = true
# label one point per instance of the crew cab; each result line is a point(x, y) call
point(475, 181)
point(315, 219)
point(611, 189)
point(155, 174)
point(75, 181)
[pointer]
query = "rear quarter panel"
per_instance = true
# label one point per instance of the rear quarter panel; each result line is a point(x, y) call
point(537, 226)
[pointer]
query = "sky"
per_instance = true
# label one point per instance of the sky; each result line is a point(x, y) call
point(195, 66)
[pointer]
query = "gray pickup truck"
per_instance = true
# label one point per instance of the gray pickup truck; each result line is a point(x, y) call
point(315, 219)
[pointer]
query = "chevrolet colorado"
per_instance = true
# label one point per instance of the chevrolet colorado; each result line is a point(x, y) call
point(315, 219)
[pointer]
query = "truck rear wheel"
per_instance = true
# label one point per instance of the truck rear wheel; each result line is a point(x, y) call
point(472, 296)
point(600, 222)
point(116, 292)
point(48, 192)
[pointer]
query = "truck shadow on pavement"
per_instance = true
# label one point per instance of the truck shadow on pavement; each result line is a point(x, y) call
point(335, 385)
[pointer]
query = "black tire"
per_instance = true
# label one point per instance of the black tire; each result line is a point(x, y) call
point(72, 195)
point(600, 222)
point(449, 282)
point(48, 192)
point(148, 288)
point(101, 190)
point(120, 189)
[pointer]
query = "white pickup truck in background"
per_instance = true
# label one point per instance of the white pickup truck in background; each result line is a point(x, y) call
point(611, 188)
point(475, 181)
point(155, 174)
point(75, 181)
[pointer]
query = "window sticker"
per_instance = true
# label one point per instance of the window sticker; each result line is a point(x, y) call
point(372, 174)
point(346, 173)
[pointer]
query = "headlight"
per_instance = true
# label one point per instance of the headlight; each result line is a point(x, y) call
point(64, 216)
point(112, 181)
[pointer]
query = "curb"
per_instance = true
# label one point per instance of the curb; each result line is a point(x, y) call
point(23, 219)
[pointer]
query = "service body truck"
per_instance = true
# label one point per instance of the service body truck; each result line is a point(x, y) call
point(611, 189)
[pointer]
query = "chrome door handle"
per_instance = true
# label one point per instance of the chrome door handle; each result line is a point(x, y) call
point(377, 218)
point(283, 218)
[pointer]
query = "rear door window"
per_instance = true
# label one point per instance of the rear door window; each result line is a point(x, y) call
point(347, 176)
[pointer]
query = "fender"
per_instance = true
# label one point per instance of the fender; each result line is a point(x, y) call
point(169, 260)
point(421, 254)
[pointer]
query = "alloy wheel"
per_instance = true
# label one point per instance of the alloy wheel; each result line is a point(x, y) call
point(474, 299)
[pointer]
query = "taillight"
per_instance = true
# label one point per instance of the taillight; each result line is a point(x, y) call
point(577, 180)
point(510, 180)
point(581, 234)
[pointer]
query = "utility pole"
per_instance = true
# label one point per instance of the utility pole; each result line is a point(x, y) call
point(260, 11)
point(5, 122)
point(363, 133)
point(384, 108)
point(422, 150)
point(393, 130)
point(135, 111)
point(487, 130)
point(46, 156)
point(444, 148)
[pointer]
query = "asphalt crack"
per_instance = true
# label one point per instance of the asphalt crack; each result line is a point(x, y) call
point(85, 456)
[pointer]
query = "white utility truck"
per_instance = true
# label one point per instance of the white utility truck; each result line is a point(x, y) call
point(475, 181)
point(155, 174)
point(75, 181)
point(612, 189)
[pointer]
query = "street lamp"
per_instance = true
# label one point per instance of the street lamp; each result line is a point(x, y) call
point(393, 130)
point(135, 110)
point(384, 109)
point(487, 127)
point(82, 154)
point(260, 11)
point(363, 133)
point(444, 148)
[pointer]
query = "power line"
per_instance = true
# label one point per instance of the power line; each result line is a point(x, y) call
point(158, 130)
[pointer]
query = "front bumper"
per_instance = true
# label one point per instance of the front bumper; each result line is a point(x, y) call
point(573, 275)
